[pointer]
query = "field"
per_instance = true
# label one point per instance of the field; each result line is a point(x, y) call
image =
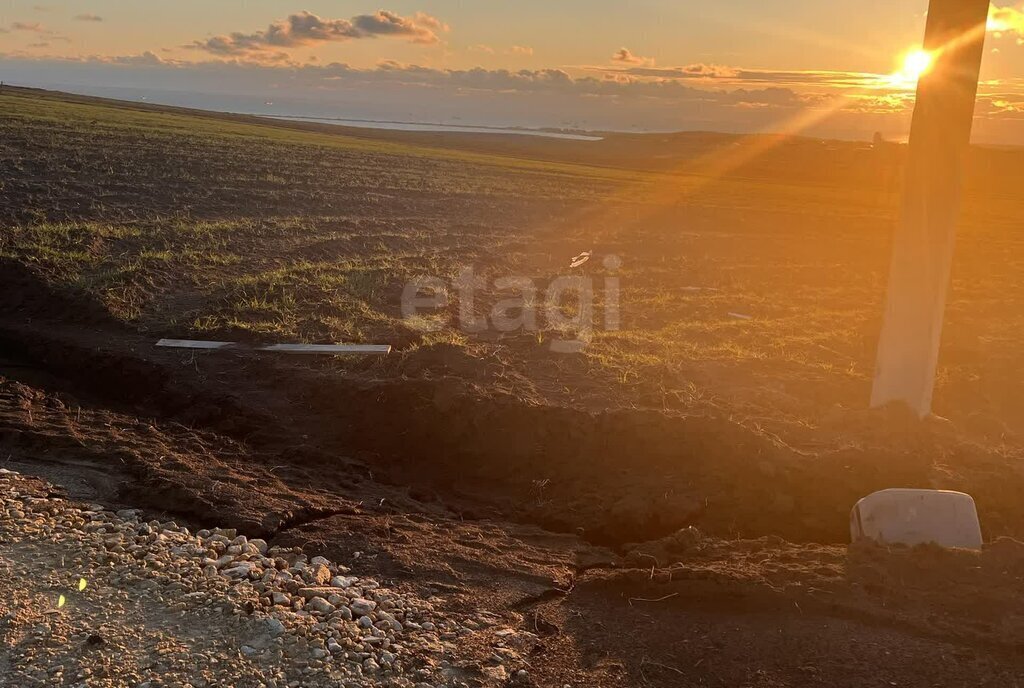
point(666, 505)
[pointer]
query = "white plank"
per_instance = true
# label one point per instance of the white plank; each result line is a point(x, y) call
point(193, 344)
point(328, 348)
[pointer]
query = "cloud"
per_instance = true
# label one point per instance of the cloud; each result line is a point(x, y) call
point(305, 28)
point(626, 56)
point(999, 105)
point(87, 17)
point(1005, 20)
point(550, 81)
point(420, 28)
point(521, 50)
point(338, 76)
point(621, 97)
point(430, 22)
point(33, 27)
point(700, 84)
point(36, 28)
point(740, 76)
point(145, 59)
point(569, 98)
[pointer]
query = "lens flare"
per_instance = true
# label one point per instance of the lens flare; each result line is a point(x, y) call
point(915, 64)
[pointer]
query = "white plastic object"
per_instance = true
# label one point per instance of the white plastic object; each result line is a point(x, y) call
point(914, 517)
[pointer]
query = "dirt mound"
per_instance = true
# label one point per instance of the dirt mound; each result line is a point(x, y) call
point(566, 469)
point(29, 295)
point(975, 597)
point(614, 476)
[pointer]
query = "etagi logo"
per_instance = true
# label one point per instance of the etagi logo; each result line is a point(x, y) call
point(566, 304)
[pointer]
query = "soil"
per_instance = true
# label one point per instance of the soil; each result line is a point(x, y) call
point(436, 486)
point(631, 543)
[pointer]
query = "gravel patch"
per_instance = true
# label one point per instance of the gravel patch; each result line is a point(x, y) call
point(91, 598)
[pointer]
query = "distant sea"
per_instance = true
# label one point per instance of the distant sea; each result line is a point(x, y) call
point(361, 115)
point(423, 126)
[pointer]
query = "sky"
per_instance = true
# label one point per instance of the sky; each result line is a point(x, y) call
point(645, 65)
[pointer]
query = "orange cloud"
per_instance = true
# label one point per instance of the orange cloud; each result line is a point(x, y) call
point(33, 27)
point(625, 56)
point(36, 28)
point(1005, 20)
point(306, 28)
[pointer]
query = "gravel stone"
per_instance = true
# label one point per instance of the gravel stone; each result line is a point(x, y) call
point(170, 608)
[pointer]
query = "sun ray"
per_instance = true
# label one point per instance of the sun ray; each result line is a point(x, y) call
point(681, 182)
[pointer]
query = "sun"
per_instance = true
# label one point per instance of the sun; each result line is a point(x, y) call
point(916, 63)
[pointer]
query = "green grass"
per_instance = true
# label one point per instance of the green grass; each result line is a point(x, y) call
point(34, 110)
point(197, 225)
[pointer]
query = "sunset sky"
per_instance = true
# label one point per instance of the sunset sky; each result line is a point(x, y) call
point(736, 65)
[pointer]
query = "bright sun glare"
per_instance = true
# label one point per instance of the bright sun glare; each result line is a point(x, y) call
point(916, 63)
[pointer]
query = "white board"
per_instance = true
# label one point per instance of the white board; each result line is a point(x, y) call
point(328, 348)
point(193, 344)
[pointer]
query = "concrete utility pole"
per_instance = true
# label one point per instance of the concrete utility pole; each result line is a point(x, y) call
point(908, 350)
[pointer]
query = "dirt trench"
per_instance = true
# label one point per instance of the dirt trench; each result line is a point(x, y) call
point(612, 477)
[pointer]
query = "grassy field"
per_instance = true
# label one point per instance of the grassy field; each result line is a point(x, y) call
point(752, 269)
